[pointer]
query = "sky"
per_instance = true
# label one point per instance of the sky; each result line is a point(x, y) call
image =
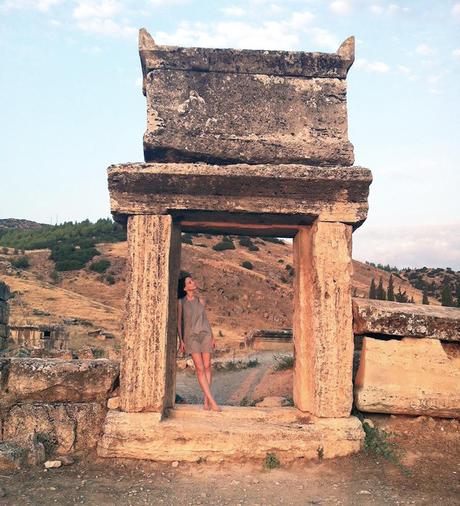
point(71, 103)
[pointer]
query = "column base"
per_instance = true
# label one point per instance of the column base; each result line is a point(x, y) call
point(237, 434)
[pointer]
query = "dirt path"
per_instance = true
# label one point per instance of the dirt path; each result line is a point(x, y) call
point(229, 387)
point(432, 457)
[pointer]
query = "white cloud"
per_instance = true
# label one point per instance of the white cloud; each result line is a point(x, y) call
point(38, 5)
point(106, 27)
point(376, 9)
point(269, 34)
point(96, 17)
point(409, 245)
point(91, 9)
point(391, 9)
point(233, 10)
point(376, 66)
point(340, 7)
point(456, 11)
point(424, 50)
point(456, 53)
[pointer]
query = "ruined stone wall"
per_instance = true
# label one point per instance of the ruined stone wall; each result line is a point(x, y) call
point(52, 407)
point(410, 358)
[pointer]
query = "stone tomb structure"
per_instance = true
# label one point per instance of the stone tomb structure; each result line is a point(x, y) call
point(252, 143)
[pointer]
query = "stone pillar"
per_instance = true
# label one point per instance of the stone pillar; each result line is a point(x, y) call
point(323, 332)
point(147, 373)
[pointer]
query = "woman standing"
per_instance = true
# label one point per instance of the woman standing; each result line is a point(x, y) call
point(196, 337)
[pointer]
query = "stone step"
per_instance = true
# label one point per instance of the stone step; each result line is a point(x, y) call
point(227, 436)
point(237, 413)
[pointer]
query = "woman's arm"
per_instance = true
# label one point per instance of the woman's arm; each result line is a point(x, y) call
point(179, 327)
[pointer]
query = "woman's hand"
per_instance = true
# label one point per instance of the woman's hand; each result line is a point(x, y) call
point(181, 347)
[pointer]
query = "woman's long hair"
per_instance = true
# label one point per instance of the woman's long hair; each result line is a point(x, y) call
point(181, 285)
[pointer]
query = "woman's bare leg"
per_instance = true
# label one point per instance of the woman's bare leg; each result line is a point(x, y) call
point(208, 373)
point(203, 381)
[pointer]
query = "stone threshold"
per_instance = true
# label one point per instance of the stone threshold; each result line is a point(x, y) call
point(188, 433)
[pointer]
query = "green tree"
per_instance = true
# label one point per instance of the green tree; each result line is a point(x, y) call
point(401, 296)
point(391, 291)
point(372, 290)
point(381, 294)
point(446, 294)
point(425, 297)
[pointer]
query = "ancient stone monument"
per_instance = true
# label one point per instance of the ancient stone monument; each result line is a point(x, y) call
point(252, 143)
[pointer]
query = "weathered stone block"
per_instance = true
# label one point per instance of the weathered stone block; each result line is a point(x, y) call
point(410, 320)
point(232, 106)
point(256, 195)
point(413, 376)
point(322, 324)
point(147, 379)
point(54, 380)
point(237, 434)
point(66, 426)
point(200, 116)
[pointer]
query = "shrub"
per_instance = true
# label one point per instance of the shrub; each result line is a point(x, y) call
point(68, 265)
point(221, 246)
point(283, 362)
point(245, 241)
point(253, 247)
point(271, 461)
point(247, 265)
point(274, 240)
point(20, 263)
point(100, 265)
point(110, 279)
point(187, 239)
point(54, 276)
point(98, 352)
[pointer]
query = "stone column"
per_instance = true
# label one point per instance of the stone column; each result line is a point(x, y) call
point(147, 373)
point(323, 332)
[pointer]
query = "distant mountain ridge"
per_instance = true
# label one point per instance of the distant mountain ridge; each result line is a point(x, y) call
point(17, 224)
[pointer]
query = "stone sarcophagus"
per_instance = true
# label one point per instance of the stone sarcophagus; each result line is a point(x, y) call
point(231, 106)
point(240, 142)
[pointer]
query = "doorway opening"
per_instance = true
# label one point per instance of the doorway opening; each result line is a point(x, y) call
point(246, 276)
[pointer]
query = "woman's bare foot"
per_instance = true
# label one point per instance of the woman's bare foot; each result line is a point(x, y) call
point(206, 404)
point(215, 407)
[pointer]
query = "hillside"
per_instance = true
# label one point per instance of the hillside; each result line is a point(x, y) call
point(238, 299)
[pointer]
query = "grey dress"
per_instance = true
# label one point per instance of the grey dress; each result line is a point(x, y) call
point(196, 331)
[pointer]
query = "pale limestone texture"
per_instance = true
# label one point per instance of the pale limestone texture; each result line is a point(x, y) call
point(278, 195)
point(71, 426)
point(147, 378)
point(230, 106)
point(323, 334)
point(409, 320)
point(236, 434)
point(413, 376)
point(54, 380)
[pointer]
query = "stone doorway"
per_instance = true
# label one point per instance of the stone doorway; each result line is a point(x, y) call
point(240, 142)
point(323, 336)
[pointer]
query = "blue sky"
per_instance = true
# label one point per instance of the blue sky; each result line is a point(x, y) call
point(71, 103)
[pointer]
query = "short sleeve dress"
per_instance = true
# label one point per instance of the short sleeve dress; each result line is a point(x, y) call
point(196, 330)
